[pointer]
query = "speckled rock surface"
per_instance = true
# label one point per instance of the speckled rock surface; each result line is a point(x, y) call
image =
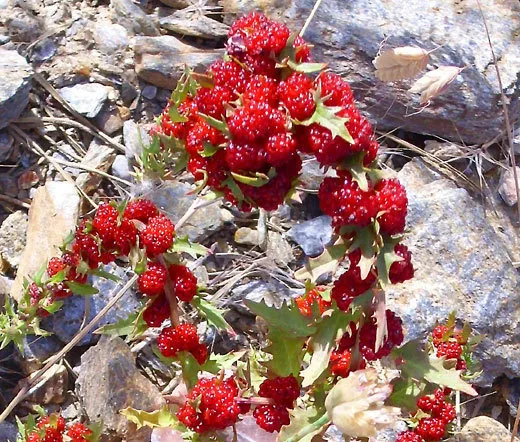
point(483, 429)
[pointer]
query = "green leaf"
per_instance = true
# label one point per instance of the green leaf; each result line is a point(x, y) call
point(105, 275)
point(385, 259)
point(133, 325)
point(180, 162)
point(405, 393)
point(305, 424)
point(306, 68)
point(213, 315)
point(216, 363)
point(220, 125)
point(54, 307)
point(323, 342)
point(326, 116)
point(160, 418)
point(58, 277)
point(208, 149)
point(258, 180)
point(81, 289)
point(175, 116)
point(287, 318)
point(419, 365)
point(190, 368)
point(235, 189)
point(184, 245)
point(325, 263)
point(287, 353)
point(97, 432)
point(39, 274)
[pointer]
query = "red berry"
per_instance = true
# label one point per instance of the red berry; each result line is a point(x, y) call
point(328, 150)
point(141, 210)
point(335, 88)
point(201, 134)
point(409, 436)
point(367, 337)
point(172, 340)
point(448, 413)
point(245, 156)
point(401, 271)
point(261, 89)
point(431, 429)
point(284, 391)
point(295, 93)
point(306, 302)
point(151, 282)
point(280, 148)
point(350, 284)
point(55, 266)
point(58, 422)
point(78, 432)
point(157, 312)
point(439, 332)
point(452, 350)
point(339, 363)
point(33, 437)
point(211, 101)
point(230, 75)
point(343, 200)
point(87, 246)
point(184, 281)
point(200, 353)
point(210, 405)
point(125, 237)
point(251, 122)
point(303, 50)
point(392, 202)
point(105, 223)
point(271, 418)
point(157, 237)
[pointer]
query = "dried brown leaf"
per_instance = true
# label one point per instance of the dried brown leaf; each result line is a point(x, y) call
point(400, 63)
point(435, 82)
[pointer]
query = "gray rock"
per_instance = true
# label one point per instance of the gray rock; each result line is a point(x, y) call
point(161, 60)
point(12, 237)
point(108, 382)
point(483, 429)
point(120, 167)
point(133, 18)
point(460, 265)
point(109, 120)
point(86, 98)
point(313, 235)
point(177, 4)
point(507, 188)
point(37, 349)
point(16, 75)
point(8, 432)
point(149, 92)
point(195, 24)
point(279, 250)
point(110, 37)
point(44, 50)
point(134, 137)
point(174, 199)
point(99, 156)
point(348, 35)
point(67, 321)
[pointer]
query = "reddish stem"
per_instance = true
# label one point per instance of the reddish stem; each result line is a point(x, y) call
point(169, 291)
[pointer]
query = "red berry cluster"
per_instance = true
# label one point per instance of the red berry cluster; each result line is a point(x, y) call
point(173, 340)
point(449, 342)
point(283, 391)
point(433, 427)
point(244, 127)
point(211, 405)
point(307, 302)
point(52, 429)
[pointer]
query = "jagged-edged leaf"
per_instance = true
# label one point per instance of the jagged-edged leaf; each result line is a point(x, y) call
point(400, 63)
point(133, 325)
point(216, 363)
point(405, 393)
point(435, 82)
point(235, 189)
point(176, 116)
point(323, 342)
point(213, 315)
point(208, 149)
point(258, 180)
point(287, 353)
point(190, 368)
point(325, 263)
point(105, 275)
point(220, 125)
point(159, 418)
point(58, 277)
point(305, 424)
point(54, 307)
point(380, 315)
point(385, 259)
point(81, 289)
point(287, 318)
point(96, 432)
point(306, 68)
point(184, 245)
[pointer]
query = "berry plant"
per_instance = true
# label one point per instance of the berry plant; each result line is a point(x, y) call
point(241, 129)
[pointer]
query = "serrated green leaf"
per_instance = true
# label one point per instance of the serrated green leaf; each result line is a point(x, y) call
point(184, 245)
point(58, 277)
point(190, 368)
point(106, 275)
point(323, 342)
point(175, 116)
point(385, 259)
point(180, 162)
point(162, 418)
point(216, 363)
point(259, 180)
point(235, 189)
point(54, 307)
point(21, 430)
point(287, 353)
point(97, 431)
point(39, 274)
point(405, 393)
point(327, 262)
point(133, 325)
point(213, 315)
point(287, 318)
point(306, 68)
point(81, 289)
point(305, 424)
point(220, 125)
point(208, 149)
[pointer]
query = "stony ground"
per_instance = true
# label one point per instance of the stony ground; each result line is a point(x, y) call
point(81, 85)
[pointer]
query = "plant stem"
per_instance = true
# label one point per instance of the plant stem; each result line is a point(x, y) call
point(315, 426)
point(310, 17)
point(169, 291)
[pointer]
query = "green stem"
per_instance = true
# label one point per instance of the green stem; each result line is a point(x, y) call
point(316, 425)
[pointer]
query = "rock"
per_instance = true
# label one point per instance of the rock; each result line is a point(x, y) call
point(109, 120)
point(195, 24)
point(44, 50)
point(279, 250)
point(149, 92)
point(16, 75)
point(246, 236)
point(52, 388)
point(12, 237)
point(348, 35)
point(6, 146)
point(53, 214)
point(133, 18)
point(482, 429)
point(22, 25)
point(8, 432)
point(162, 60)
point(110, 37)
point(120, 167)
point(177, 4)
point(461, 265)
point(174, 199)
point(109, 382)
point(99, 156)
point(86, 99)
point(313, 235)
point(36, 350)
point(67, 321)
point(166, 435)
point(507, 188)
point(134, 137)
